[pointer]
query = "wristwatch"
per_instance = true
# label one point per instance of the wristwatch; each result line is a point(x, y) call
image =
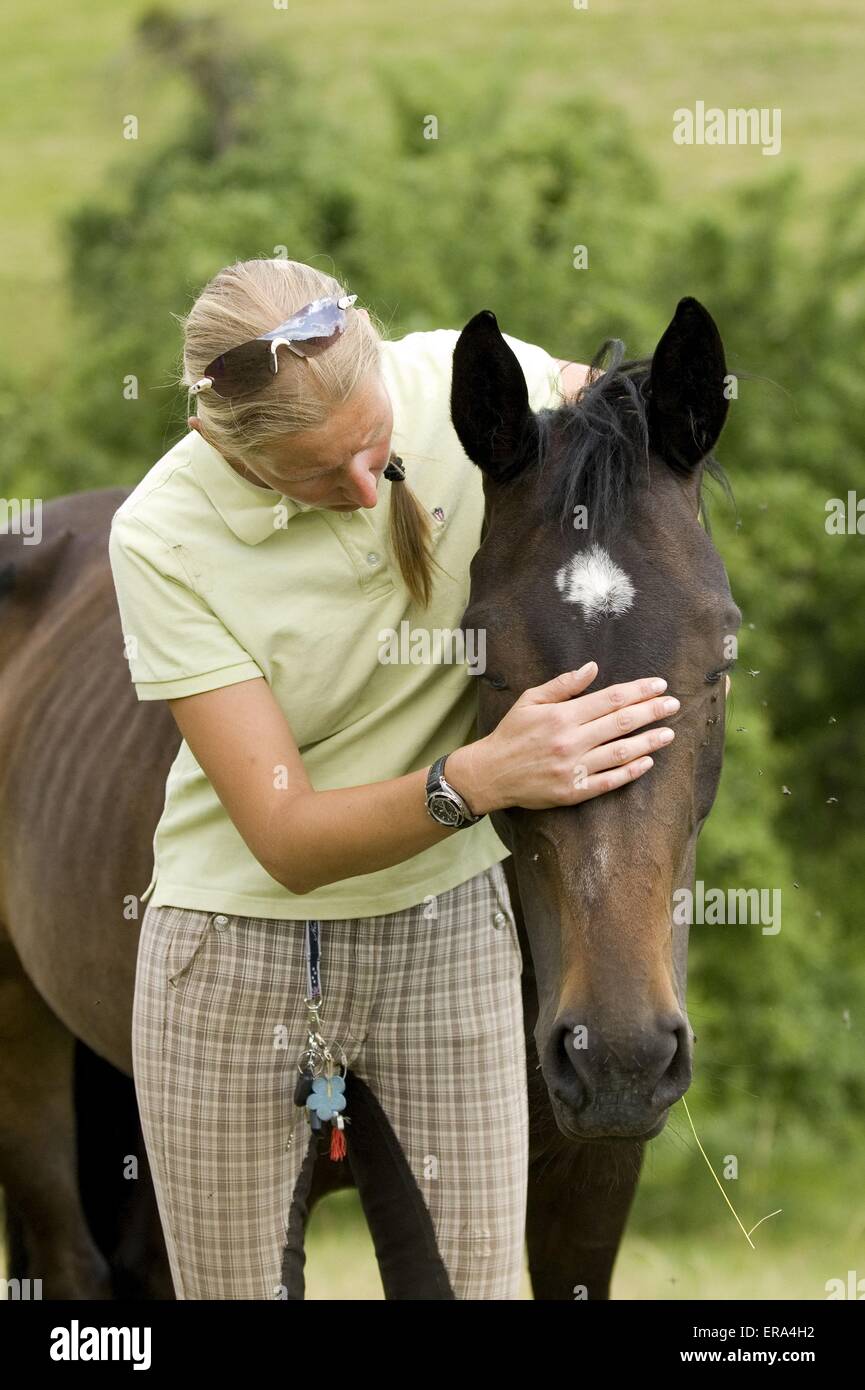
point(444, 803)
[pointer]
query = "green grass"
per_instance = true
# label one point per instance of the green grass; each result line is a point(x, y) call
point(73, 72)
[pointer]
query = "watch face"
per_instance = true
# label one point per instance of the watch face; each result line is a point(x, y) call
point(445, 811)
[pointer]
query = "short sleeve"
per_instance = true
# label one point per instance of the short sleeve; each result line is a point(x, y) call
point(174, 643)
point(541, 371)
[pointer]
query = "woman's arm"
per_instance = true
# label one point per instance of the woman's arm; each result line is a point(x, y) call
point(546, 751)
point(302, 837)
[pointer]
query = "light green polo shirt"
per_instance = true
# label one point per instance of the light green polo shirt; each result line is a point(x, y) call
point(219, 580)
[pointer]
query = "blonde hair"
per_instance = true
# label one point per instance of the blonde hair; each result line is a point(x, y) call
point(251, 297)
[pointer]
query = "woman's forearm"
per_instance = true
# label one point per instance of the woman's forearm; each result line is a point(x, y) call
point(325, 836)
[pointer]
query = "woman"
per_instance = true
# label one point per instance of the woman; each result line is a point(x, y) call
point(262, 568)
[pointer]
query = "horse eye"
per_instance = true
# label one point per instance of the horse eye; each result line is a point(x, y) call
point(497, 682)
point(714, 676)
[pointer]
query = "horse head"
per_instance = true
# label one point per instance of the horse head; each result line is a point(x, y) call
point(593, 549)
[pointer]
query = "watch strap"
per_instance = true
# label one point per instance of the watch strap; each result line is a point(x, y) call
point(435, 773)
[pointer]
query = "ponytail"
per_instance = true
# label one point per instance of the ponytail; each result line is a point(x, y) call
point(410, 535)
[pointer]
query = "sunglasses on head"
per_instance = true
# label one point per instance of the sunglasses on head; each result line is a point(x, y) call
point(251, 365)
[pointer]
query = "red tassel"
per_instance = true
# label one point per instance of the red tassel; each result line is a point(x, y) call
point(337, 1144)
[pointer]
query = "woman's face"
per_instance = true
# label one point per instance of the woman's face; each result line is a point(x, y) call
point(338, 465)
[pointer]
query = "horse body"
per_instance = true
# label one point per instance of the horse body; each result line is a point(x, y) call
point(80, 773)
point(83, 766)
point(83, 771)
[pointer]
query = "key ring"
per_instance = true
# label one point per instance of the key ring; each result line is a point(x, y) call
point(310, 1060)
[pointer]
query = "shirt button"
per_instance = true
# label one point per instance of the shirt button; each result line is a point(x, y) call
point(499, 919)
point(347, 516)
point(220, 922)
point(372, 558)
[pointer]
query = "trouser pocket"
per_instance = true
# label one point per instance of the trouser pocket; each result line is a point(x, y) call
point(189, 931)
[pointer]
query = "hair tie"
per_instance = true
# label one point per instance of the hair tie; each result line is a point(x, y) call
point(395, 470)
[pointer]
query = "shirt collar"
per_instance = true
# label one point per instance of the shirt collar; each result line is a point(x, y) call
point(253, 513)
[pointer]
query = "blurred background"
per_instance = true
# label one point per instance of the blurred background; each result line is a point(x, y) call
point(298, 130)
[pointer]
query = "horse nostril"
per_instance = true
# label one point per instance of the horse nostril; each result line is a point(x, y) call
point(570, 1066)
point(676, 1076)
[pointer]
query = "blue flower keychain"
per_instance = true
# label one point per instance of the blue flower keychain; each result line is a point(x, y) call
point(319, 1090)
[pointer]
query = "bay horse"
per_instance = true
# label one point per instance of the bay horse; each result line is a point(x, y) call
point(83, 767)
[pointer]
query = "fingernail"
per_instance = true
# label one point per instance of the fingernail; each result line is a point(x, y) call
point(657, 685)
point(646, 763)
point(670, 705)
point(583, 669)
point(665, 735)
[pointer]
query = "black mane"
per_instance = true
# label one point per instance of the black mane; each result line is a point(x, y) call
point(603, 435)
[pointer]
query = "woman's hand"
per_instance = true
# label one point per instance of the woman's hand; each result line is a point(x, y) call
point(573, 377)
point(554, 749)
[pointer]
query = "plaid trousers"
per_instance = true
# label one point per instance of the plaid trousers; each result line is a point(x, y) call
point(426, 1003)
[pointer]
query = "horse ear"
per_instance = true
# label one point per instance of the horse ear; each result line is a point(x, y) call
point(687, 405)
point(490, 401)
